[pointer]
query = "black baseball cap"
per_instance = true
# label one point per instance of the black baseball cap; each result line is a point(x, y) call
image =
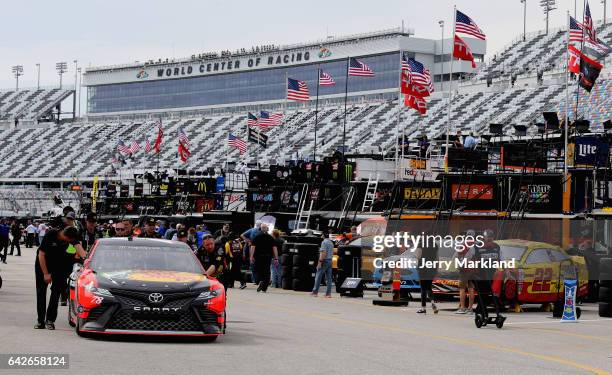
point(181, 233)
point(91, 217)
point(150, 221)
point(70, 215)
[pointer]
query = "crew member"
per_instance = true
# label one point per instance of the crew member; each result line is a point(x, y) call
point(324, 266)
point(183, 236)
point(30, 234)
point(53, 265)
point(212, 257)
point(234, 252)
point(91, 234)
point(150, 230)
point(16, 233)
point(488, 276)
point(263, 251)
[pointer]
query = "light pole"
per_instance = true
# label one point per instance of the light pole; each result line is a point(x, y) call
point(76, 75)
point(17, 71)
point(547, 6)
point(79, 98)
point(441, 23)
point(61, 68)
point(37, 76)
point(524, 19)
point(604, 4)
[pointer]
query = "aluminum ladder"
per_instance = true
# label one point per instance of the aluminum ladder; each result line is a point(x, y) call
point(370, 194)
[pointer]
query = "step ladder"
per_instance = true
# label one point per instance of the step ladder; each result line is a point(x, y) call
point(347, 207)
point(370, 194)
point(302, 218)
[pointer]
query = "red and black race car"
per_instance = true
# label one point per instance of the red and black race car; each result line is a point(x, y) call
point(145, 287)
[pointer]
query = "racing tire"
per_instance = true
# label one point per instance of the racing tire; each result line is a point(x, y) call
point(302, 273)
point(70, 322)
point(286, 283)
point(306, 240)
point(0, 282)
point(300, 285)
point(605, 294)
point(286, 260)
point(605, 309)
point(286, 271)
point(286, 247)
point(304, 261)
point(77, 329)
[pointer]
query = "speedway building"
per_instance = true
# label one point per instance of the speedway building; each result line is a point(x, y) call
point(257, 77)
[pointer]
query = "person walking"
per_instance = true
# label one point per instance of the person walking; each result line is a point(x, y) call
point(16, 234)
point(53, 265)
point(248, 237)
point(426, 275)
point(324, 267)
point(5, 229)
point(276, 268)
point(30, 234)
point(42, 230)
point(263, 251)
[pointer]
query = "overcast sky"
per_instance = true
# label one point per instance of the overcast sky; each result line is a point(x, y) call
point(103, 32)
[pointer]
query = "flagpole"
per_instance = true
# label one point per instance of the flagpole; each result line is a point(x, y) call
point(285, 114)
point(450, 89)
point(399, 116)
point(345, 98)
point(316, 113)
point(566, 119)
point(581, 49)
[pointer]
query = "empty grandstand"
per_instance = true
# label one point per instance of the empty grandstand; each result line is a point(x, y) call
point(208, 100)
point(31, 106)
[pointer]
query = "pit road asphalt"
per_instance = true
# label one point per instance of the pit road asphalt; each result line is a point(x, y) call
point(286, 332)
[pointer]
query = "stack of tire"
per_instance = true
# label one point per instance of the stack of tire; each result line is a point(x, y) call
point(605, 287)
point(299, 262)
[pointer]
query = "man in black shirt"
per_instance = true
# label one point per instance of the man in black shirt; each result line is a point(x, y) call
point(90, 234)
point(212, 257)
point(150, 230)
point(183, 236)
point(54, 261)
point(263, 250)
point(16, 233)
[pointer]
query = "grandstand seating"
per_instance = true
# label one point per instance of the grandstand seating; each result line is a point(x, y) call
point(29, 104)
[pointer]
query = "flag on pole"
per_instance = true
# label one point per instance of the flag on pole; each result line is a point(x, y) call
point(184, 152)
point(574, 60)
point(410, 88)
point(359, 69)
point(588, 24)
point(236, 142)
point(325, 79)
point(297, 90)
point(182, 136)
point(417, 74)
point(589, 71)
point(575, 31)
point(462, 51)
point(465, 25)
point(123, 148)
point(147, 147)
point(251, 119)
point(160, 136)
point(267, 119)
point(134, 146)
point(417, 103)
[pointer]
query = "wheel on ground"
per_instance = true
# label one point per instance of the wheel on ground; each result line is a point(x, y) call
point(605, 309)
point(578, 312)
point(70, 322)
point(286, 271)
point(499, 323)
point(478, 320)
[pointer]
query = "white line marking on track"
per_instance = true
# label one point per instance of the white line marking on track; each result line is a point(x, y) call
point(558, 321)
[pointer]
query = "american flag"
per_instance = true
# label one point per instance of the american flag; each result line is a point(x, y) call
point(236, 142)
point(359, 69)
point(418, 74)
point(588, 24)
point(134, 147)
point(182, 136)
point(297, 90)
point(267, 119)
point(122, 147)
point(466, 25)
point(325, 79)
point(148, 146)
point(251, 119)
point(575, 31)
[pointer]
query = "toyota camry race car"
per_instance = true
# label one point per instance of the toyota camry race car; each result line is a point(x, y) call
point(145, 287)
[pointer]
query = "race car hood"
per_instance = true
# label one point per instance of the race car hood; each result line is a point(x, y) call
point(147, 280)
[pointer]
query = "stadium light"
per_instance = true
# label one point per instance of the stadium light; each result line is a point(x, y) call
point(17, 71)
point(547, 6)
point(524, 2)
point(61, 67)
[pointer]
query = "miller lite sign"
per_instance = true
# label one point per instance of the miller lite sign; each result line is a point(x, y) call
point(591, 151)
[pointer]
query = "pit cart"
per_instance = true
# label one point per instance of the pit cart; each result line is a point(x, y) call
point(487, 291)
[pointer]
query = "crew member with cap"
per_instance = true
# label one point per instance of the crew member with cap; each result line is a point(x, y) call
point(183, 236)
point(90, 234)
point(150, 230)
point(76, 251)
point(54, 262)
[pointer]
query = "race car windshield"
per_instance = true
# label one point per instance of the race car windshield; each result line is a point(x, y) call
point(511, 252)
point(120, 258)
